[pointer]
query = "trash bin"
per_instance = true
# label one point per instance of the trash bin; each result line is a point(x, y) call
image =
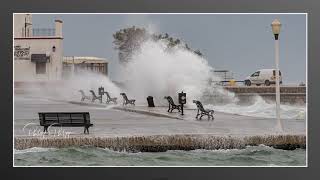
point(150, 101)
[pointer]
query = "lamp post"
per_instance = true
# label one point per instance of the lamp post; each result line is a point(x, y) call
point(276, 25)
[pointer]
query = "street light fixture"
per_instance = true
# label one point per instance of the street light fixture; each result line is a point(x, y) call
point(276, 25)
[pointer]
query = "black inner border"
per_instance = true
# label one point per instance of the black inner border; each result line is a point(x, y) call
point(190, 6)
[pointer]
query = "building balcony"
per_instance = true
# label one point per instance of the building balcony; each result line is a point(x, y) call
point(40, 32)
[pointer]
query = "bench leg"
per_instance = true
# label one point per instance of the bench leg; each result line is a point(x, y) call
point(86, 129)
point(197, 116)
point(201, 115)
point(211, 114)
point(45, 129)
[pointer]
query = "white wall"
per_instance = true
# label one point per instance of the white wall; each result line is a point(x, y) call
point(25, 70)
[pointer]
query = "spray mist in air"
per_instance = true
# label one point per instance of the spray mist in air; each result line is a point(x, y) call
point(156, 71)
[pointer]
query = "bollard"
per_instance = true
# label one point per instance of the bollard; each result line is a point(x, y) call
point(182, 100)
point(150, 101)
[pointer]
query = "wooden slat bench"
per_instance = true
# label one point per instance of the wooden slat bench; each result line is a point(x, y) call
point(65, 119)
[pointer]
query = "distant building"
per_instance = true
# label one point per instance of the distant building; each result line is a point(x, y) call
point(73, 65)
point(38, 52)
point(224, 75)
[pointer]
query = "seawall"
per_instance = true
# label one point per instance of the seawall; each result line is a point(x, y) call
point(161, 143)
point(288, 94)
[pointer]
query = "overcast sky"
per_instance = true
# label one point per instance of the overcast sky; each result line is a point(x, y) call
point(241, 43)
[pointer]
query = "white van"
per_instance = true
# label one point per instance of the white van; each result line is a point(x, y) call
point(263, 76)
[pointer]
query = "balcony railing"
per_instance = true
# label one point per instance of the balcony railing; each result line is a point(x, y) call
point(43, 32)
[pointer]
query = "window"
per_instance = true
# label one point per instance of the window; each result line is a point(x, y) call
point(274, 73)
point(255, 74)
point(41, 68)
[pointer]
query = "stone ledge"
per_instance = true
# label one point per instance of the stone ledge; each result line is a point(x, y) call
point(160, 143)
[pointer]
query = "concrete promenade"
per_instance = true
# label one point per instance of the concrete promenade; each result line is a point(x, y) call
point(140, 121)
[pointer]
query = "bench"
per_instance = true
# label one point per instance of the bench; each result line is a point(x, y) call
point(65, 119)
point(84, 96)
point(94, 97)
point(126, 100)
point(110, 99)
point(172, 105)
point(202, 111)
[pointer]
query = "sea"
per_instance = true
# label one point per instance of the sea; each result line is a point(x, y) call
point(91, 156)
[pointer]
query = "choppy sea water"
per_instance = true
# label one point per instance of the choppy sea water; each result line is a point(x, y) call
point(260, 108)
point(91, 156)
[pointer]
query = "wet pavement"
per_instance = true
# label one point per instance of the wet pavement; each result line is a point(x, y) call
point(140, 120)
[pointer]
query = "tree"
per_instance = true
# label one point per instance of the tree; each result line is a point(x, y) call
point(130, 39)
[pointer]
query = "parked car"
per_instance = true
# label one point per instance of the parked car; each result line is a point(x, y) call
point(262, 76)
